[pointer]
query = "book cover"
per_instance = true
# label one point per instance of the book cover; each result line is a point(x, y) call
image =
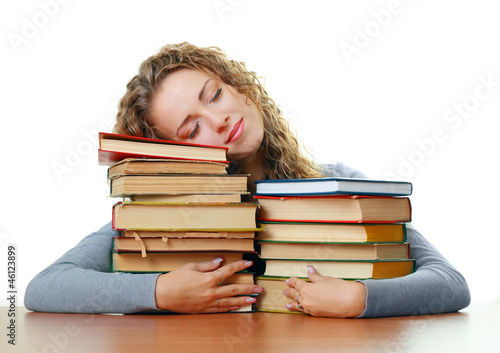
point(345, 269)
point(115, 147)
point(172, 184)
point(153, 166)
point(332, 232)
point(339, 208)
point(184, 216)
point(332, 186)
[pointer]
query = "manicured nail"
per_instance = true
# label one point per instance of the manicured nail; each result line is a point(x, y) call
point(285, 292)
point(250, 300)
point(288, 306)
point(287, 281)
point(218, 260)
point(311, 269)
point(258, 290)
point(248, 263)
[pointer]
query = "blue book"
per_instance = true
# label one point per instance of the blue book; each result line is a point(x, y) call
point(332, 186)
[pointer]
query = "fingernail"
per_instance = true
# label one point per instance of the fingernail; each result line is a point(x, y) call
point(248, 263)
point(250, 300)
point(287, 281)
point(218, 260)
point(288, 306)
point(311, 269)
point(285, 291)
point(232, 308)
point(258, 290)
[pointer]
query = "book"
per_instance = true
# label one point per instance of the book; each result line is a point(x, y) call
point(144, 166)
point(165, 261)
point(126, 185)
point(159, 244)
point(244, 234)
point(273, 299)
point(332, 232)
point(342, 209)
point(333, 251)
point(345, 269)
point(184, 216)
point(115, 147)
point(193, 198)
point(331, 186)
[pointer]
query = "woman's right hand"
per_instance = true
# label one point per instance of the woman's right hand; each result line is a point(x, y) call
point(193, 288)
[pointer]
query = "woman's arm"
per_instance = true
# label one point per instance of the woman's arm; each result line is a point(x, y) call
point(435, 287)
point(81, 282)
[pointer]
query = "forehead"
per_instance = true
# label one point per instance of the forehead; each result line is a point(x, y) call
point(176, 96)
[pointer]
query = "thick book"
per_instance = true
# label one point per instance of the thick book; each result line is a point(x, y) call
point(127, 185)
point(342, 209)
point(345, 269)
point(332, 186)
point(115, 147)
point(332, 232)
point(162, 244)
point(165, 261)
point(231, 234)
point(333, 251)
point(144, 166)
point(184, 216)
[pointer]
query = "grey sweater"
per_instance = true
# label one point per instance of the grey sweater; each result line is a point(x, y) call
point(81, 282)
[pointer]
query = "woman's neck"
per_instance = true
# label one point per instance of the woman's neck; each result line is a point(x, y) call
point(255, 167)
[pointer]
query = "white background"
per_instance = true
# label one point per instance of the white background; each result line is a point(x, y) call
point(375, 107)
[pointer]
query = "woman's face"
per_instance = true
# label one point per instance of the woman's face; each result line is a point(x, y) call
point(192, 106)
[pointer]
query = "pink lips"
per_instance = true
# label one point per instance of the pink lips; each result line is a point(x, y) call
point(236, 131)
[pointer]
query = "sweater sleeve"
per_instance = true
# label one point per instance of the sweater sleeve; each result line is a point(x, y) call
point(435, 286)
point(81, 281)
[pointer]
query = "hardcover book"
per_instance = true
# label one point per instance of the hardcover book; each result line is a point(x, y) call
point(127, 185)
point(342, 209)
point(332, 186)
point(115, 147)
point(332, 232)
point(184, 216)
point(144, 166)
point(345, 269)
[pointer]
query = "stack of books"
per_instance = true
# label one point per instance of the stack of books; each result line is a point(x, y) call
point(345, 228)
point(178, 205)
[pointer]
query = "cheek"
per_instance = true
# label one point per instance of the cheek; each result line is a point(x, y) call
point(208, 138)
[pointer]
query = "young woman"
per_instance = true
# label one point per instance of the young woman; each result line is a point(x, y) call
point(193, 94)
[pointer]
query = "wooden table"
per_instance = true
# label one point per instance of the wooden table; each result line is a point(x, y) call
point(470, 331)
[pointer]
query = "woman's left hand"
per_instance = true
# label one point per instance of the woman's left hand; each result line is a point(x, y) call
point(326, 296)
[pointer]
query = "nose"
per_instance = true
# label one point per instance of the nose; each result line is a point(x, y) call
point(220, 122)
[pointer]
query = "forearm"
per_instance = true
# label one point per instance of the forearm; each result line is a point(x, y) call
point(76, 290)
point(435, 287)
point(81, 282)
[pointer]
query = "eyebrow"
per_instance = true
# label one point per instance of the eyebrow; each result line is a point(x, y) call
point(200, 96)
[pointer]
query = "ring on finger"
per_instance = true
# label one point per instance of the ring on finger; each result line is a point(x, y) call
point(221, 275)
point(300, 307)
point(297, 299)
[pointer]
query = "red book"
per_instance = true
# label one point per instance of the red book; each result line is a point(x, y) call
point(114, 148)
point(335, 209)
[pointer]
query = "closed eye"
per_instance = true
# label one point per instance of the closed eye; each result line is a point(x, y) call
point(195, 131)
point(216, 95)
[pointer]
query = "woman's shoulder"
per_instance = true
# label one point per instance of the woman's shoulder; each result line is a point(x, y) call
point(341, 170)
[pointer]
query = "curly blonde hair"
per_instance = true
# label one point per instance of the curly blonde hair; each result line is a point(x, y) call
point(281, 150)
